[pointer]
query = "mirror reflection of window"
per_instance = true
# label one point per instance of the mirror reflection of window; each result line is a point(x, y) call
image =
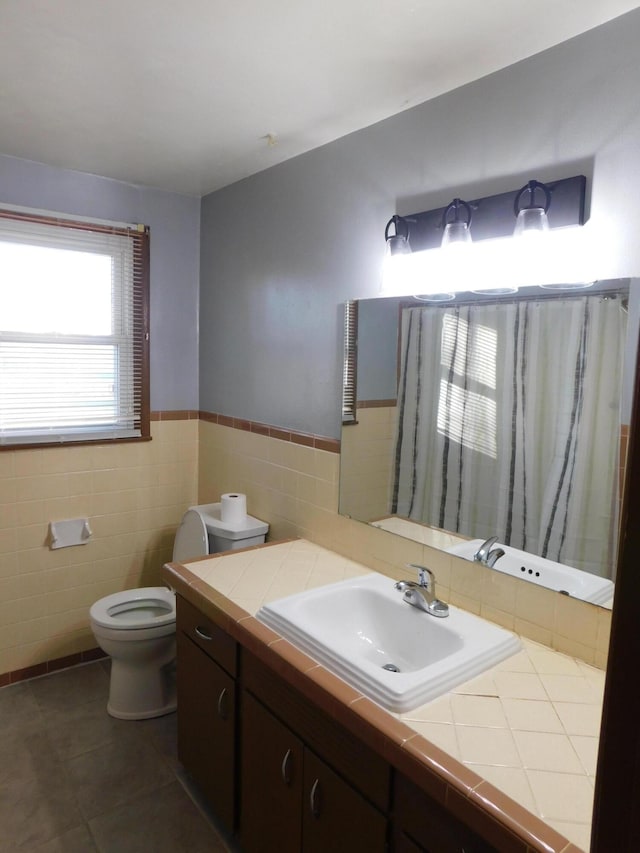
point(467, 399)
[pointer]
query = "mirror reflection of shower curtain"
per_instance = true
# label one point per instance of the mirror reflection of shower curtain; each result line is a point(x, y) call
point(509, 424)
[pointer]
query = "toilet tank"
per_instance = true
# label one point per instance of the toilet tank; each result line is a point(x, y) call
point(223, 543)
point(225, 536)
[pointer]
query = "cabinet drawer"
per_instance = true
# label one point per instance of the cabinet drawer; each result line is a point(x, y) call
point(213, 640)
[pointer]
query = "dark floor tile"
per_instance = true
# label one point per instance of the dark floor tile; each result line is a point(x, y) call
point(19, 711)
point(71, 687)
point(77, 840)
point(29, 754)
point(37, 801)
point(115, 773)
point(64, 760)
point(74, 731)
point(165, 821)
point(205, 809)
point(162, 732)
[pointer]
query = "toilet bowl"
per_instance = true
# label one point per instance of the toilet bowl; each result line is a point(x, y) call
point(137, 627)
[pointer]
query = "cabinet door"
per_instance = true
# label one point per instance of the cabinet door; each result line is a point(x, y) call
point(271, 782)
point(335, 816)
point(403, 844)
point(422, 824)
point(206, 727)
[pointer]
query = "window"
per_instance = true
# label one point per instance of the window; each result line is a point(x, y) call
point(73, 331)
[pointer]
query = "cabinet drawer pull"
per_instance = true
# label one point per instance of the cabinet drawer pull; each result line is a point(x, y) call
point(222, 704)
point(314, 799)
point(286, 767)
point(200, 632)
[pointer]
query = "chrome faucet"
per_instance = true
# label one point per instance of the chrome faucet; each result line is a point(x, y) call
point(422, 594)
point(485, 555)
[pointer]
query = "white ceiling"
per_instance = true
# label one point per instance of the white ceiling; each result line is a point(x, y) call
point(191, 95)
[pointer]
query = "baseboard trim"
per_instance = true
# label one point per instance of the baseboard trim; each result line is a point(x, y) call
point(48, 666)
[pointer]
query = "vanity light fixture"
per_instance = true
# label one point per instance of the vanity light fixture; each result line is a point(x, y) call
point(492, 215)
point(397, 250)
point(488, 261)
point(530, 207)
point(398, 242)
point(457, 224)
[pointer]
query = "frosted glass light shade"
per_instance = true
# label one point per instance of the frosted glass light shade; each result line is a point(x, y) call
point(456, 234)
point(531, 220)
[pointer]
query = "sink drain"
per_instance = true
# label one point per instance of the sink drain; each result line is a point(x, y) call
point(391, 667)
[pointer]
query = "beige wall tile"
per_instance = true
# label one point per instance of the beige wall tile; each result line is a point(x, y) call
point(28, 463)
point(34, 487)
point(501, 617)
point(7, 464)
point(533, 631)
point(535, 605)
point(135, 494)
point(8, 489)
point(575, 618)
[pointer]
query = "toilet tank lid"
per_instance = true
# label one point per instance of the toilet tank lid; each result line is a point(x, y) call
point(248, 527)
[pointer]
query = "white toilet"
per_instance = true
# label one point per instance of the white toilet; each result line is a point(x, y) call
point(137, 627)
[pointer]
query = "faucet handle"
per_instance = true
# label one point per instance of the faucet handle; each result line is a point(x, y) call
point(483, 551)
point(426, 577)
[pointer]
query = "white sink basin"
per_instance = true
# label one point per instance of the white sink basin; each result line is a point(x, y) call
point(357, 627)
point(547, 573)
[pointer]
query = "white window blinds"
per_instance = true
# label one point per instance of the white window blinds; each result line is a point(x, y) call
point(73, 338)
point(350, 368)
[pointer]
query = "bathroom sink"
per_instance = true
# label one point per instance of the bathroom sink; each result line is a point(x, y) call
point(397, 655)
point(547, 573)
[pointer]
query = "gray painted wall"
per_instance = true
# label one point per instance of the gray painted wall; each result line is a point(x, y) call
point(175, 230)
point(378, 322)
point(282, 250)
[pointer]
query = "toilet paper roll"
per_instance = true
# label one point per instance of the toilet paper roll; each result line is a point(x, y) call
point(233, 508)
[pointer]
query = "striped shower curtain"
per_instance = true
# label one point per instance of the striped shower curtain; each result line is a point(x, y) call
point(509, 423)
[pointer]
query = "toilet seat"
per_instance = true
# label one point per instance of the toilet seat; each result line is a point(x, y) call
point(135, 609)
point(192, 538)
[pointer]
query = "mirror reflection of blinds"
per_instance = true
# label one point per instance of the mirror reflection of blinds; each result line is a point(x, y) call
point(73, 330)
point(350, 371)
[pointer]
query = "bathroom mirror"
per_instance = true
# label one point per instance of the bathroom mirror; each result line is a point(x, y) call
point(495, 414)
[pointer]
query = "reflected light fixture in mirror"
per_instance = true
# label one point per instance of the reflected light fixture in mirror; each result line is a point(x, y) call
point(531, 207)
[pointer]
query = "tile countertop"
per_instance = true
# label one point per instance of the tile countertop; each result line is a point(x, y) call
point(529, 726)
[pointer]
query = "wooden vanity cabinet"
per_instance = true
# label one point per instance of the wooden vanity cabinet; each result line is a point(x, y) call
point(297, 798)
point(335, 816)
point(271, 772)
point(423, 826)
point(206, 670)
point(280, 772)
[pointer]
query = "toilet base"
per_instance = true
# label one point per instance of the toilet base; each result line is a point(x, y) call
point(141, 715)
point(141, 692)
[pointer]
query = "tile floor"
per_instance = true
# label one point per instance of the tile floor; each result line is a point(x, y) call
point(74, 780)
